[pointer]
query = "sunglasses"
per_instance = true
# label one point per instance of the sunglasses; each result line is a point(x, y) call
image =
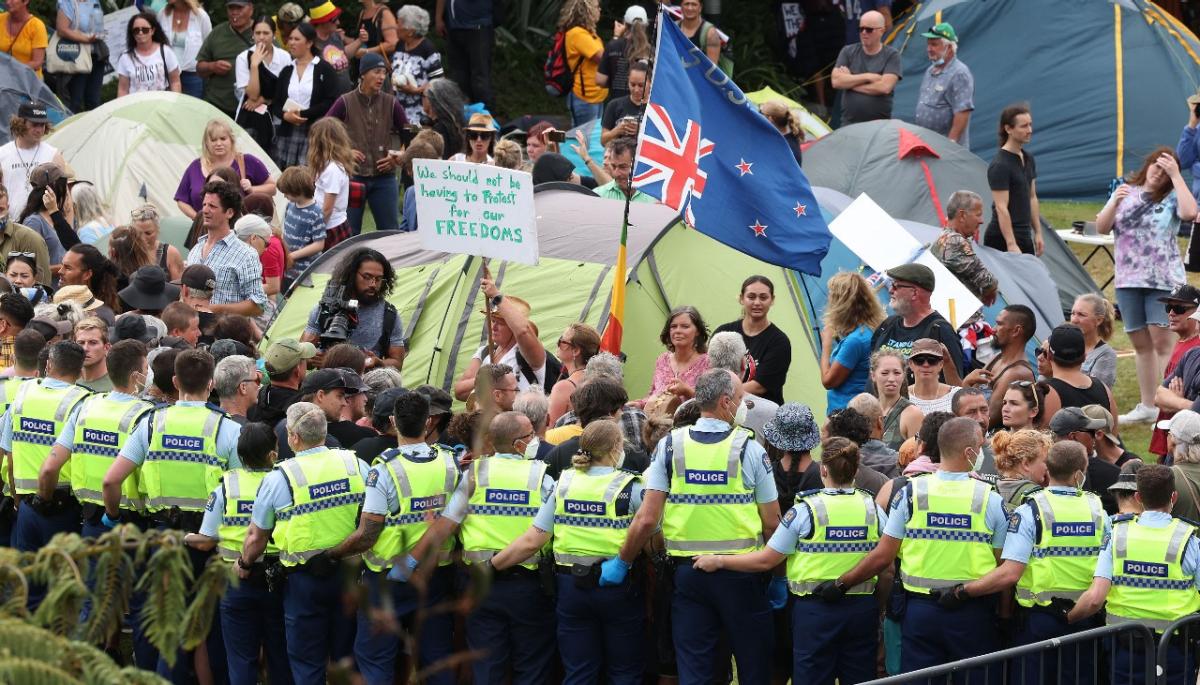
point(900, 286)
point(1179, 308)
point(925, 360)
point(1031, 386)
point(30, 255)
point(564, 341)
point(139, 30)
point(478, 135)
point(869, 29)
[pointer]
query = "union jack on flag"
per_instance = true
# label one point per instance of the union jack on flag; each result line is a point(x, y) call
point(704, 151)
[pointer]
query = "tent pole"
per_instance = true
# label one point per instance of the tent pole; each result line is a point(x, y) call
point(442, 325)
point(487, 307)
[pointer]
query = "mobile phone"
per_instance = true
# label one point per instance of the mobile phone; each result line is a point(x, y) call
point(556, 136)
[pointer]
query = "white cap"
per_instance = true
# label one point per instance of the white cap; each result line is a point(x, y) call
point(252, 224)
point(1184, 426)
point(636, 13)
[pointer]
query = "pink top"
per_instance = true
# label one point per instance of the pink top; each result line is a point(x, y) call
point(663, 374)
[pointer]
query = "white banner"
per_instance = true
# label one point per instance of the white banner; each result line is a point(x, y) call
point(476, 209)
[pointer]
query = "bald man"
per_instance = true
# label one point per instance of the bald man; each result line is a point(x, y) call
point(867, 72)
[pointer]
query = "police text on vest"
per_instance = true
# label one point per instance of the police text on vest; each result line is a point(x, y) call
point(507, 497)
point(839, 533)
point(695, 477)
point(578, 506)
point(936, 520)
point(337, 487)
point(1145, 568)
point(1060, 530)
point(183, 442)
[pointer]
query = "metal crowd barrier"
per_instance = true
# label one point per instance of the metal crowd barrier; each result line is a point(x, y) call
point(1177, 652)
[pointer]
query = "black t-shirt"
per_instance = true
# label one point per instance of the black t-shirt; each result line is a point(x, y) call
point(369, 448)
point(1100, 475)
point(1006, 172)
point(1126, 456)
point(618, 109)
point(349, 433)
point(772, 353)
point(559, 458)
point(892, 333)
point(615, 66)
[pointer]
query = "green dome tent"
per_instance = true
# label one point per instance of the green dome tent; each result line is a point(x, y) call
point(438, 294)
point(135, 149)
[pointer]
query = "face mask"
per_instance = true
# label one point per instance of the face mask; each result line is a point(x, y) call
point(739, 417)
point(977, 460)
point(1082, 480)
point(531, 448)
point(939, 61)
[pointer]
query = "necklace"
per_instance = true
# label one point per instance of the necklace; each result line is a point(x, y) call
point(27, 167)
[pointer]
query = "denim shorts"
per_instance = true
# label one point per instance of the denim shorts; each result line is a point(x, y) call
point(1140, 308)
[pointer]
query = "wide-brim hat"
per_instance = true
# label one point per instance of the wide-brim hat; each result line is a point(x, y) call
point(80, 295)
point(520, 303)
point(149, 289)
point(324, 13)
point(792, 429)
point(481, 122)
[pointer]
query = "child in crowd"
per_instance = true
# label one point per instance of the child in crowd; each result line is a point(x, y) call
point(303, 221)
point(330, 156)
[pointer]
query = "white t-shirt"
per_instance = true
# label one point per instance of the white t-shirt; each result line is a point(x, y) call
point(333, 179)
point(186, 44)
point(300, 87)
point(462, 157)
point(148, 73)
point(241, 69)
point(16, 166)
point(510, 358)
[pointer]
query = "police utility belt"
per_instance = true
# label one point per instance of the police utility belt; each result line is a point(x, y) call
point(61, 501)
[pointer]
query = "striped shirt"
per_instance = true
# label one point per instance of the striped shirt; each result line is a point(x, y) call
point(238, 270)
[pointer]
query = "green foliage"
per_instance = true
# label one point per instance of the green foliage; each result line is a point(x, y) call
point(165, 581)
point(112, 579)
point(209, 588)
point(32, 656)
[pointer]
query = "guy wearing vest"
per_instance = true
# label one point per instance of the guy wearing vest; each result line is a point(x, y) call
point(494, 505)
point(37, 416)
point(947, 528)
point(406, 488)
point(93, 436)
point(252, 611)
point(308, 505)
point(826, 533)
point(712, 488)
point(1049, 555)
point(26, 347)
point(1147, 573)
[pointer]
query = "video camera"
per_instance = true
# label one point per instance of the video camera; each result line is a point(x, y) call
point(337, 317)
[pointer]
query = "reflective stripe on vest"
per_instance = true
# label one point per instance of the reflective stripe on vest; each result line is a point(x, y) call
point(946, 539)
point(845, 527)
point(587, 529)
point(505, 495)
point(1062, 561)
point(1148, 582)
point(182, 465)
point(422, 490)
point(240, 488)
point(327, 492)
point(39, 414)
point(709, 509)
point(102, 427)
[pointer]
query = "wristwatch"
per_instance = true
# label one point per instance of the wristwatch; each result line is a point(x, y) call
point(839, 585)
point(243, 565)
point(495, 301)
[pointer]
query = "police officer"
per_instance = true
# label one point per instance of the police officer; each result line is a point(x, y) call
point(588, 514)
point(406, 487)
point(37, 416)
point(307, 505)
point(946, 528)
point(94, 435)
point(495, 504)
point(251, 611)
point(26, 347)
point(711, 485)
point(1053, 539)
point(826, 533)
point(1147, 572)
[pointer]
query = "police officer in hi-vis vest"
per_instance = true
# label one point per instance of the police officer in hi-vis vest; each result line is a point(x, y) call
point(588, 514)
point(1147, 574)
point(827, 532)
point(711, 486)
point(307, 505)
point(38, 413)
point(408, 486)
point(252, 611)
point(492, 506)
point(948, 529)
point(95, 434)
point(26, 347)
point(1049, 555)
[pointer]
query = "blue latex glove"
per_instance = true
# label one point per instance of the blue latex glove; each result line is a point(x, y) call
point(613, 571)
point(403, 571)
point(777, 592)
point(109, 523)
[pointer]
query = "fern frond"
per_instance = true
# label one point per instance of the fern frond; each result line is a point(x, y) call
point(14, 591)
point(208, 590)
point(165, 581)
point(112, 585)
point(33, 672)
point(59, 610)
point(135, 676)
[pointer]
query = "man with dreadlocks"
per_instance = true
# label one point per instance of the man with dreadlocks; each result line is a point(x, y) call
point(364, 275)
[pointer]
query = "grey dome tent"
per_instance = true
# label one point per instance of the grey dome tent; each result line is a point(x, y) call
point(18, 85)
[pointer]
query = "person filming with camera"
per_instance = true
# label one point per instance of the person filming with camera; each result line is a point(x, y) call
point(354, 309)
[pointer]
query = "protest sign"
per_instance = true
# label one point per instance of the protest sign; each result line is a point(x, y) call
point(881, 244)
point(476, 209)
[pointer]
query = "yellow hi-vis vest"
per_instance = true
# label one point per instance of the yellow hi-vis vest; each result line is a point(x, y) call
point(327, 494)
point(39, 414)
point(8, 390)
point(710, 509)
point(423, 489)
point(845, 527)
point(101, 429)
point(587, 527)
point(240, 486)
point(507, 495)
point(182, 465)
point(1064, 557)
point(1148, 582)
point(947, 540)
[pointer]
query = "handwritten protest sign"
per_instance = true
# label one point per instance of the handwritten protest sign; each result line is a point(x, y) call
point(476, 209)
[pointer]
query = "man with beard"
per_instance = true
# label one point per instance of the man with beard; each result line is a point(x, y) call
point(1181, 319)
point(1015, 325)
point(366, 276)
point(910, 288)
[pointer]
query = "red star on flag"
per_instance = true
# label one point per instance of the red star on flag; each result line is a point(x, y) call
point(800, 210)
point(759, 229)
point(744, 167)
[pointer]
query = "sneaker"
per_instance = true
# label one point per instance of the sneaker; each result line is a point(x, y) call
point(1139, 414)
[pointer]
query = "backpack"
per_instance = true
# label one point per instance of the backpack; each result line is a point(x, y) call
point(725, 61)
point(557, 72)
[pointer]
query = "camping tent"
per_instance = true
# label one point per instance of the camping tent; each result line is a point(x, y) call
point(910, 172)
point(136, 148)
point(670, 265)
point(19, 84)
point(1106, 80)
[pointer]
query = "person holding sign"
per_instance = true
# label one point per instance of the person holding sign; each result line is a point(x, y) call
point(514, 341)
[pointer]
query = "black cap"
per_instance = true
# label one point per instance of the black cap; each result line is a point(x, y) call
point(33, 113)
point(131, 328)
point(1185, 293)
point(385, 402)
point(1072, 419)
point(440, 401)
point(324, 379)
point(197, 276)
point(1067, 345)
point(227, 347)
point(550, 167)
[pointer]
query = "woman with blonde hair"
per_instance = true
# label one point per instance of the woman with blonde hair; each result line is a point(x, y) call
point(852, 311)
point(218, 148)
point(577, 344)
point(787, 123)
point(186, 25)
point(595, 495)
point(901, 419)
point(1094, 316)
point(331, 157)
point(89, 213)
point(1021, 462)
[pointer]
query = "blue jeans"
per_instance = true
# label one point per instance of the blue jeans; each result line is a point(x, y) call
point(84, 89)
point(514, 627)
point(252, 618)
point(383, 196)
point(599, 631)
point(583, 112)
point(191, 84)
point(375, 651)
point(707, 605)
